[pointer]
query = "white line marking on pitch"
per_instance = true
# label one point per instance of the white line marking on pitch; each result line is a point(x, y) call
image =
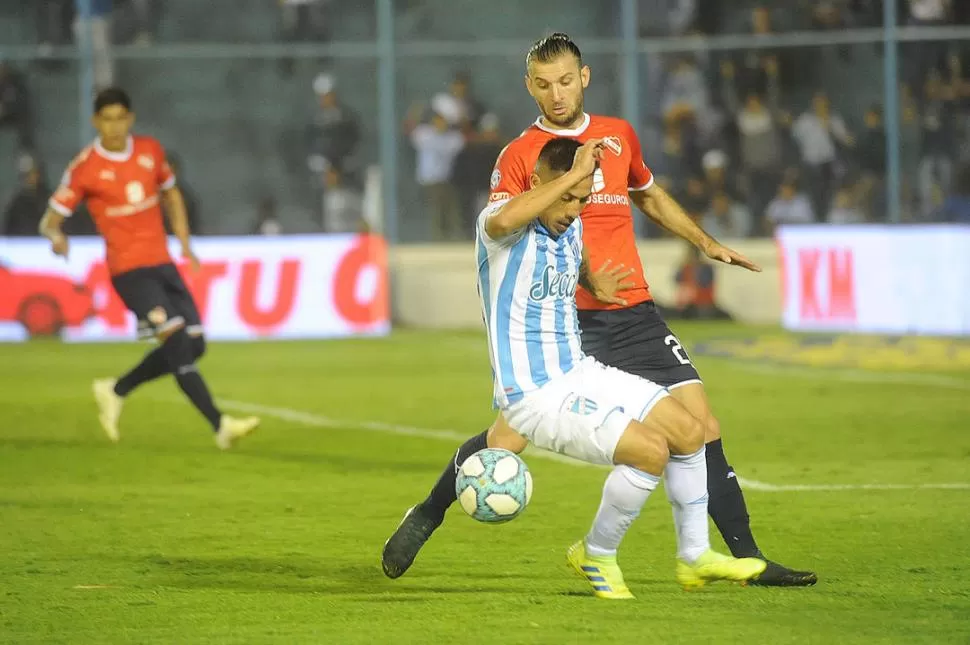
point(317, 421)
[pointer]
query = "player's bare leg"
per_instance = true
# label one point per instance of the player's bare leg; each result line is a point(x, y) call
point(421, 520)
point(726, 504)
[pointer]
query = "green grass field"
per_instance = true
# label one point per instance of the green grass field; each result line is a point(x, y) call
point(163, 539)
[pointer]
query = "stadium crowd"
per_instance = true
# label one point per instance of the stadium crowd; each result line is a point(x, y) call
point(746, 139)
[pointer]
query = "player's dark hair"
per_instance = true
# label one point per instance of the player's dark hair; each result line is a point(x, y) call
point(558, 154)
point(552, 47)
point(111, 96)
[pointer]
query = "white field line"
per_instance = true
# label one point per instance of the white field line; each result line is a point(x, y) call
point(317, 421)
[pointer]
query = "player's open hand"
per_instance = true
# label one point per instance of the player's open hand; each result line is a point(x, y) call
point(60, 246)
point(721, 253)
point(588, 155)
point(194, 263)
point(609, 281)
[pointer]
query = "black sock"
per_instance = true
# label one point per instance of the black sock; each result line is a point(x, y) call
point(151, 367)
point(726, 504)
point(443, 494)
point(195, 388)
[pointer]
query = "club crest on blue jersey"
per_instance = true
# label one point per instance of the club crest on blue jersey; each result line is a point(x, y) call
point(554, 285)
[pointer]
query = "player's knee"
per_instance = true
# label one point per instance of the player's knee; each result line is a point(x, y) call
point(642, 449)
point(198, 346)
point(712, 429)
point(178, 351)
point(692, 435)
point(501, 435)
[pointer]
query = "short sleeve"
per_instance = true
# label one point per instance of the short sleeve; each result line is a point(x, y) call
point(510, 177)
point(489, 211)
point(163, 171)
point(639, 177)
point(70, 192)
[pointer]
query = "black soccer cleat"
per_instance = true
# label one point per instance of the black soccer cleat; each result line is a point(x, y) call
point(403, 546)
point(776, 575)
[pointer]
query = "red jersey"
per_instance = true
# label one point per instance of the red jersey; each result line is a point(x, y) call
point(608, 218)
point(123, 193)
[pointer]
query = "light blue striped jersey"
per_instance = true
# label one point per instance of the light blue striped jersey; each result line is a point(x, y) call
point(527, 287)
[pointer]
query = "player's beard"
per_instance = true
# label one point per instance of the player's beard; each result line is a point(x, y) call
point(565, 121)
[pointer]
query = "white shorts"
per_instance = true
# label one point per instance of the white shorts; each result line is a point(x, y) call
point(584, 413)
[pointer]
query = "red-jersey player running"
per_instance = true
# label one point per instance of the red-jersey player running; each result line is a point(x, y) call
point(631, 337)
point(125, 180)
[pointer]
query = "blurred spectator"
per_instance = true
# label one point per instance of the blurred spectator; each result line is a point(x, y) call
point(726, 218)
point(818, 134)
point(267, 223)
point(936, 166)
point(680, 156)
point(790, 206)
point(919, 57)
point(910, 149)
point(15, 108)
point(760, 139)
point(96, 29)
point(334, 134)
point(718, 176)
point(304, 20)
point(695, 200)
point(752, 69)
point(956, 207)
point(437, 146)
point(678, 17)
point(460, 107)
point(474, 166)
point(138, 18)
point(54, 18)
point(844, 209)
point(343, 205)
point(22, 214)
point(685, 90)
point(695, 297)
point(832, 15)
point(872, 164)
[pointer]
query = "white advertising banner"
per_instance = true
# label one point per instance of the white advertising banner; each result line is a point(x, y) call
point(876, 279)
point(249, 288)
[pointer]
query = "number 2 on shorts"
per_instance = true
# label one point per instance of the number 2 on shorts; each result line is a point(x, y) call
point(678, 349)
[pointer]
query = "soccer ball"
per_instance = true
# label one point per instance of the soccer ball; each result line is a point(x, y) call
point(494, 485)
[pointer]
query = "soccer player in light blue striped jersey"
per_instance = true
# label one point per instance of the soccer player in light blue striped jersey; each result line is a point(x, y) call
point(530, 260)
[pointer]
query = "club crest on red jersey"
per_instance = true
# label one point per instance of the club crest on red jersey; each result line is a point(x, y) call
point(614, 145)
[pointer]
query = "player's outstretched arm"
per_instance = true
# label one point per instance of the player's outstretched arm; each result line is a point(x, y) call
point(50, 227)
point(179, 218)
point(525, 207)
point(663, 209)
point(606, 283)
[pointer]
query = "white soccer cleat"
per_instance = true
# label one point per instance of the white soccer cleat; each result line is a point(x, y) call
point(232, 429)
point(109, 406)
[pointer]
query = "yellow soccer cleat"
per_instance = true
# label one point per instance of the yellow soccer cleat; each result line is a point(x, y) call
point(712, 566)
point(601, 572)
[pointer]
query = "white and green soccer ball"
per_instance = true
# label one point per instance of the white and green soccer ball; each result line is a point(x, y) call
point(494, 485)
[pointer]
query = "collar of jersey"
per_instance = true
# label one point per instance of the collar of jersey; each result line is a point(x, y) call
point(575, 132)
point(125, 155)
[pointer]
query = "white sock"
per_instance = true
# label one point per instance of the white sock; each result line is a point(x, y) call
point(625, 492)
point(685, 479)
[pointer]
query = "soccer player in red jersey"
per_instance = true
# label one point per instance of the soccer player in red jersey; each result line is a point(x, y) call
point(126, 180)
point(631, 337)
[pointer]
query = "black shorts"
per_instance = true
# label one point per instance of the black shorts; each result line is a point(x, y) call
point(636, 340)
point(159, 299)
